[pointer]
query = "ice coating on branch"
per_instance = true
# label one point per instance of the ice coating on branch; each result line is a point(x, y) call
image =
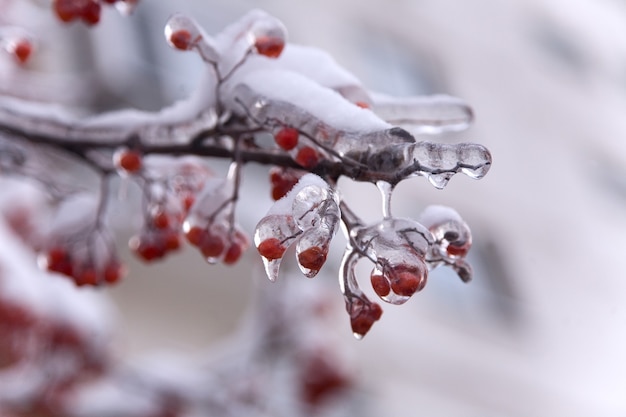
point(453, 239)
point(424, 114)
point(439, 162)
point(309, 215)
point(174, 124)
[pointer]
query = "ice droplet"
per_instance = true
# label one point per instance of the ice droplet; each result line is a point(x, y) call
point(476, 173)
point(439, 180)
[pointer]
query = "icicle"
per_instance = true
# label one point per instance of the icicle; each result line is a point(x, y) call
point(386, 191)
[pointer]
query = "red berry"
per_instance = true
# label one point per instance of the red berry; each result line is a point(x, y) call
point(113, 272)
point(128, 160)
point(188, 201)
point(181, 39)
point(271, 249)
point(66, 10)
point(406, 280)
point(145, 249)
point(239, 244)
point(459, 251)
point(59, 260)
point(161, 220)
point(212, 245)
point(287, 138)
point(363, 319)
point(172, 241)
point(380, 284)
point(269, 46)
point(307, 157)
point(91, 12)
point(87, 276)
point(233, 254)
point(321, 378)
point(282, 181)
point(312, 258)
point(195, 235)
point(362, 104)
point(22, 51)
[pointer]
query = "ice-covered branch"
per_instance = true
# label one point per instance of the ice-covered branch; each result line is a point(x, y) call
point(323, 125)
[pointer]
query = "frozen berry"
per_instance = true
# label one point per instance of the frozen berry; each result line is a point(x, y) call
point(181, 39)
point(307, 157)
point(312, 258)
point(380, 284)
point(406, 280)
point(269, 46)
point(364, 318)
point(91, 12)
point(287, 138)
point(271, 249)
point(212, 245)
point(22, 51)
point(128, 160)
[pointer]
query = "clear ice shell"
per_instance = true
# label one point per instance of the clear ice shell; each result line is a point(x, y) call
point(281, 227)
point(392, 297)
point(200, 40)
point(306, 206)
point(439, 162)
point(314, 239)
point(267, 27)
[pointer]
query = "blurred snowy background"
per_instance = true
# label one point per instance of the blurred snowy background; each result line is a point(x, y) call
point(541, 331)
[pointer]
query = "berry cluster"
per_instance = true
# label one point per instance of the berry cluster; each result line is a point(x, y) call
point(70, 260)
point(160, 234)
point(283, 180)
point(321, 378)
point(288, 139)
point(396, 275)
point(217, 243)
point(50, 347)
point(172, 186)
point(210, 226)
point(363, 314)
point(87, 10)
point(307, 216)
